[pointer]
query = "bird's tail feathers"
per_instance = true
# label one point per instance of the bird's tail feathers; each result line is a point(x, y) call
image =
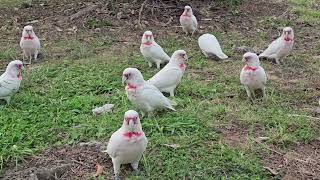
point(222, 56)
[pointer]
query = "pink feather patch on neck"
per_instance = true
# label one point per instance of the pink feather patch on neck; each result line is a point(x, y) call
point(28, 37)
point(132, 134)
point(182, 66)
point(249, 68)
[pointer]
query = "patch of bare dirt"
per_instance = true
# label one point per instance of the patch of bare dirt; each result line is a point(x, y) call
point(234, 135)
point(301, 161)
point(77, 162)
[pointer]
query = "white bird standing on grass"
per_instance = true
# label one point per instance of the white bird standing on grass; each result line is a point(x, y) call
point(30, 44)
point(151, 51)
point(127, 144)
point(188, 21)
point(145, 96)
point(210, 46)
point(253, 75)
point(280, 47)
point(10, 80)
point(167, 79)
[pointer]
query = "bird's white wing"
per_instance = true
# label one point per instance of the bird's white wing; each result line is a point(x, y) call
point(272, 48)
point(194, 22)
point(115, 144)
point(166, 77)
point(158, 53)
point(37, 42)
point(152, 95)
point(262, 75)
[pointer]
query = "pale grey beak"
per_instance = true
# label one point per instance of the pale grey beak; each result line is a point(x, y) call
point(124, 79)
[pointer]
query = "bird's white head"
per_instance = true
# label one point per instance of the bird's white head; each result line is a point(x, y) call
point(287, 34)
point(147, 38)
point(28, 31)
point(132, 76)
point(178, 57)
point(15, 68)
point(187, 11)
point(131, 122)
point(251, 59)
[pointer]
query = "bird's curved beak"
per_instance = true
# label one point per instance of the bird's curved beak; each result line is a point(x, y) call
point(124, 78)
point(244, 59)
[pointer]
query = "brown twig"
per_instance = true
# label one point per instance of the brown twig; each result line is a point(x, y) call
point(267, 147)
point(140, 12)
point(297, 115)
point(83, 12)
point(81, 163)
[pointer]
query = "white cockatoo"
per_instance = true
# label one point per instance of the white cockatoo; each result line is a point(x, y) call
point(188, 21)
point(253, 75)
point(151, 51)
point(30, 44)
point(145, 96)
point(167, 79)
point(127, 144)
point(10, 80)
point(280, 47)
point(210, 46)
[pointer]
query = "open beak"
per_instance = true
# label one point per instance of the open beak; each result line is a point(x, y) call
point(244, 60)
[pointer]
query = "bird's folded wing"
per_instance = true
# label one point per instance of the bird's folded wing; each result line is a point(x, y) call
point(166, 77)
point(272, 48)
point(158, 53)
point(154, 97)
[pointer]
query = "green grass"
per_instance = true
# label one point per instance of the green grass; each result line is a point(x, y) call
point(306, 9)
point(53, 107)
point(13, 3)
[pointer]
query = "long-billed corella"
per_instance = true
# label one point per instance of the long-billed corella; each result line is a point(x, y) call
point(253, 76)
point(10, 80)
point(188, 21)
point(127, 144)
point(152, 51)
point(280, 47)
point(143, 95)
point(210, 47)
point(168, 78)
point(30, 44)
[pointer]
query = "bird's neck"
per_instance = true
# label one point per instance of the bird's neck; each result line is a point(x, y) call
point(28, 37)
point(14, 75)
point(250, 68)
point(130, 133)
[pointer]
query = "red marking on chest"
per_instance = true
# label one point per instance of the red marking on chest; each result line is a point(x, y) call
point(147, 43)
point(132, 134)
point(130, 87)
point(287, 39)
point(249, 68)
point(182, 67)
point(28, 37)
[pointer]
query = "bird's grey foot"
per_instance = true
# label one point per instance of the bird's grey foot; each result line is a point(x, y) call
point(7, 99)
point(135, 168)
point(116, 177)
point(172, 93)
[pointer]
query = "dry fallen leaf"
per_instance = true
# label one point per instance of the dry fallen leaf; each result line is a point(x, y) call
point(99, 170)
point(174, 146)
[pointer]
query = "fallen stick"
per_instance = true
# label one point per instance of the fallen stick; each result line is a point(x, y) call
point(140, 12)
point(83, 12)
